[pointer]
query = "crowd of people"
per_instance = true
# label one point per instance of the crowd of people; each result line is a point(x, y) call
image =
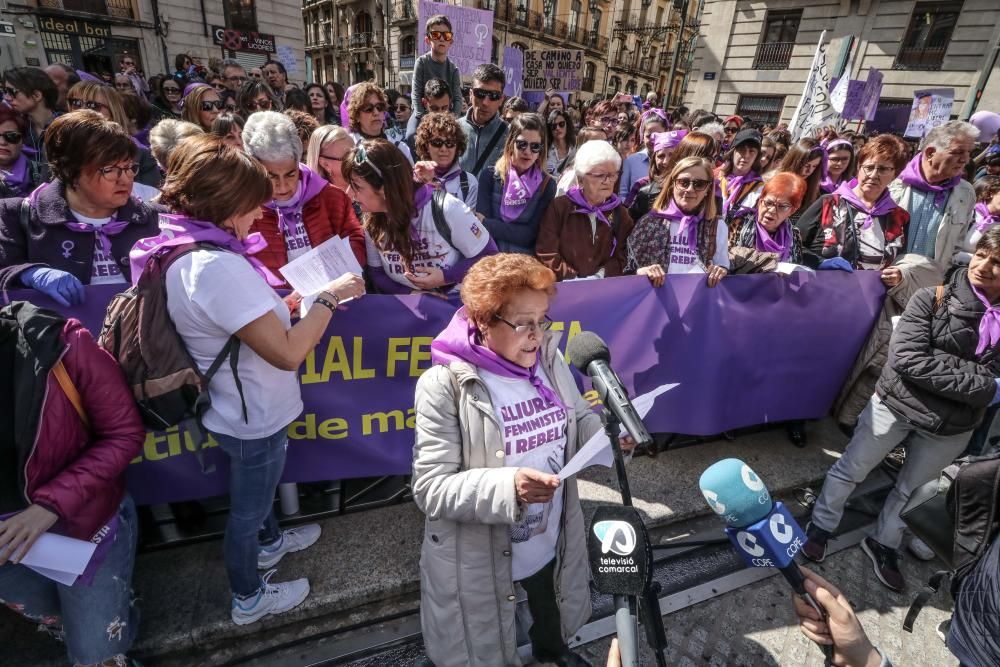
point(462, 193)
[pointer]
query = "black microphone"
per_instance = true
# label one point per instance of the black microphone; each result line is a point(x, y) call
point(590, 355)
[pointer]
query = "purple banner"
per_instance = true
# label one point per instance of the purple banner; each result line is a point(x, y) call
point(513, 69)
point(756, 349)
point(472, 30)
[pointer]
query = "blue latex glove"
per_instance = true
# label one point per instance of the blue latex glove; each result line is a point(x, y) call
point(59, 285)
point(996, 394)
point(835, 264)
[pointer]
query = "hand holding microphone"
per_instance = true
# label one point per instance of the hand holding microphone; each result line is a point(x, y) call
point(841, 628)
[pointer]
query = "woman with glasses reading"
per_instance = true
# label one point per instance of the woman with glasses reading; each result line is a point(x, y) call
point(440, 139)
point(366, 114)
point(18, 174)
point(81, 225)
point(514, 193)
point(202, 105)
point(683, 232)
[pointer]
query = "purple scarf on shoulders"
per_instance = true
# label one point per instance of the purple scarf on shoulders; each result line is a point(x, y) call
point(985, 219)
point(459, 342)
point(989, 326)
point(103, 232)
point(913, 176)
point(687, 222)
point(177, 229)
point(826, 183)
point(734, 184)
point(781, 244)
point(575, 195)
point(290, 212)
point(17, 177)
point(518, 191)
point(884, 205)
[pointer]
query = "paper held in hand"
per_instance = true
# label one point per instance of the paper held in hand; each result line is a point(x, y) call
point(314, 270)
point(59, 558)
point(597, 450)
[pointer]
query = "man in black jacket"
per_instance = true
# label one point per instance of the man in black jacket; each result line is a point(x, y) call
point(941, 376)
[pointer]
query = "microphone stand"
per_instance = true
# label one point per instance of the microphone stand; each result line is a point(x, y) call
point(626, 622)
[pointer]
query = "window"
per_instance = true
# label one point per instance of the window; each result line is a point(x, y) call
point(240, 14)
point(630, 87)
point(408, 45)
point(495, 52)
point(574, 18)
point(589, 73)
point(615, 84)
point(774, 49)
point(927, 36)
point(764, 109)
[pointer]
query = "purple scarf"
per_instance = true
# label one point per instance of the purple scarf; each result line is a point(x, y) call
point(687, 222)
point(989, 326)
point(104, 232)
point(884, 205)
point(575, 195)
point(985, 219)
point(290, 212)
point(781, 245)
point(17, 177)
point(734, 184)
point(518, 191)
point(913, 176)
point(458, 342)
point(421, 195)
point(177, 229)
point(446, 175)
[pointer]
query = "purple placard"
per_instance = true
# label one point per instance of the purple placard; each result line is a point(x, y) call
point(872, 93)
point(472, 29)
point(513, 69)
point(744, 353)
point(853, 101)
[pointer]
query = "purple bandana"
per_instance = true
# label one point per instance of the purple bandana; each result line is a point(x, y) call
point(104, 232)
point(734, 184)
point(781, 245)
point(575, 195)
point(985, 219)
point(670, 139)
point(458, 342)
point(989, 326)
point(913, 176)
point(178, 229)
point(518, 191)
point(884, 205)
point(17, 177)
point(687, 222)
point(290, 212)
point(826, 183)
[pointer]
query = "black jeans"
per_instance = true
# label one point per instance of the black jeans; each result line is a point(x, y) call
point(546, 628)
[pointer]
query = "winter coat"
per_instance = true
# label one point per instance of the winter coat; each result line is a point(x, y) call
point(74, 471)
point(477, 140)
point(933, 378)
point(829, 230)
point(573, 247)
point(955, 223)
point(51, 243)
point(743, 254)
point(520, 234)
point(467, 597)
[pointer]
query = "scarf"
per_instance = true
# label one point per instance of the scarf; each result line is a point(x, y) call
point(17, 178)
point(421, 195)
point(575, 195)
point(178, 229)
point(985, 219)
point(446, 175)
point(459, 342)
point(826, 183)
point(662, 140)
point(781, 245)
point(884, 205)
point(518, 191)
point(103, 232)
point(913, 176)
point(734, 184)
point(989, 326)
point(290, 212)
point(687, 222)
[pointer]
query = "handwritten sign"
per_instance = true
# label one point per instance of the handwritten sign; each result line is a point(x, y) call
point(472, 30)
point(930, 108)
point(814, 110)
point(853, 98)
point(513, 69)
point(557, 69)
point(871, 94)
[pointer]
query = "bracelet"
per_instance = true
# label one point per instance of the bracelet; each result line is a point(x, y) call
point(324, 302)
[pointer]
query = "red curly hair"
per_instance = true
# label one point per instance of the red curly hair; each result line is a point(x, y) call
point(493, 281)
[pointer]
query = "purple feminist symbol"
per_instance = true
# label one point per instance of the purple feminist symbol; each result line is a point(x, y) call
point(67, 247)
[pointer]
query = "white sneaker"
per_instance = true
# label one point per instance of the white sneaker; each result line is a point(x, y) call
point(293, 539)
point(920, 549)
point(271, 599)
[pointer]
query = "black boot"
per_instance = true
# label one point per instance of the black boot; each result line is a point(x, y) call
point(796, 433)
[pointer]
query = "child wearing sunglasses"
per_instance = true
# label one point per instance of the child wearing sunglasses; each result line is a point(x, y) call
point(434, 64)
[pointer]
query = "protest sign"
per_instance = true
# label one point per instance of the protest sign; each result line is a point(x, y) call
point(930, 108)
point(472, 30)
point(513, 69)
point(744, 353)
point(555, 69)
point(814, 110)
point(871, 94)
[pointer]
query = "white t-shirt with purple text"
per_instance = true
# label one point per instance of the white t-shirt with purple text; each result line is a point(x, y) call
point(104, 269)
point(684, 260)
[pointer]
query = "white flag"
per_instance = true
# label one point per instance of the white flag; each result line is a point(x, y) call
point(838, 96)
point(814, 110)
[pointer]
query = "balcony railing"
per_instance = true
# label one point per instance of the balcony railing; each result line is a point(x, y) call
point(533, 22)
point(403, 11)
point(117, 8)
point(664, 61)
point(406, 62)
point(361, 40)
point(775, 55)
point(927, 58)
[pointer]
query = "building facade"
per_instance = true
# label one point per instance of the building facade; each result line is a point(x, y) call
point(345, 40)
point(753, 56)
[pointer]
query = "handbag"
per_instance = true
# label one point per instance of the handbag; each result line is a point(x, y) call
point(927, 516)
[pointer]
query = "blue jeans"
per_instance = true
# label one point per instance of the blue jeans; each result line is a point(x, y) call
point(255, 466)
point(98, 622)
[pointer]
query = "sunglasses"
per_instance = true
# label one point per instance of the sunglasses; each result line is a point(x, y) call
point(259, 105)
point(218, 105)
point(123, 86)
point(11, 137)
point(10, 92)
point(521, 144)
point(170, 90)
point(441, 35)
point(377, 108)
point(696, 184)
point(558, 125)
point(232, 108)
point(482, 94)
point(446, 143)
point(731, 130)
point(76, 103)
point(330, 158)
point(361, 157)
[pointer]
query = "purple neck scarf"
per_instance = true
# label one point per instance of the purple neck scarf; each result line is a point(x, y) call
point(734, 184)
point(458, 342)
point(884, 205)
point(179, 230)
point(17, 177)
point(687, 222)
point(421, 195)
point(826, 183)
point(103, 232)
point(447, 174)
point(989, 326)
point(985, 219)
point(518, 191)
point(913, 176)
point(575, 195)
point(781, 245)
point(290, 212)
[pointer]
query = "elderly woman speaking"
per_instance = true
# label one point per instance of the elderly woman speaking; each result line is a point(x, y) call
point(497, 418)
point(583, 232)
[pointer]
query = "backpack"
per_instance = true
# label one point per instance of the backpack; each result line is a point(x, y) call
point(138, 332)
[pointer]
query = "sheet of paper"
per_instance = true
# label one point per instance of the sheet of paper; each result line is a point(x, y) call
point(60, 558)
point(314, 270)
point(788, 267)
point(597, 450)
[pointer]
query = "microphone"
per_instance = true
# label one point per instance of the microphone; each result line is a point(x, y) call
point(621, 559)
point(591, 356)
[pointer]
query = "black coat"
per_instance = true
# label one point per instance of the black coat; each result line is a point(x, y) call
point(933, 378)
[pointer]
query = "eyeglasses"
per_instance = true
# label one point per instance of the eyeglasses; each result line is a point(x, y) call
point(838, 159)
point(330, 158)
point(696, 184)
point(232, 108)
point(603, 178)
point(482, 94)
point(170, 90)
point(236, 79)
point(521, 329)
point(10, 92)
point(609, 120)
point(780, 207)
point(378, 107)
point(208, 105)
point(441, 35)
point(93, 105)
point(114, 173)
point(521, 144)
point(12, 137)
point(732, 130)
point(259, 105)
point(402, 107)
point(558, 125)
point(873, 168)
point(445, 143)
point(219, 87)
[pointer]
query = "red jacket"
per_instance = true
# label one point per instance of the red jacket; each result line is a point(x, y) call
point(78, 475)
point(326, 215)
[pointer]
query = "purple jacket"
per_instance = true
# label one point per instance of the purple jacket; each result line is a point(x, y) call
point(51, 243)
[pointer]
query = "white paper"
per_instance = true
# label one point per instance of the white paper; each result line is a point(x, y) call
point(308, 274)
point(597, 450)
point(788, 267)
point(59, 558)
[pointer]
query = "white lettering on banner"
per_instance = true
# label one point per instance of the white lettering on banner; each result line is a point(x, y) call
point(814, 110)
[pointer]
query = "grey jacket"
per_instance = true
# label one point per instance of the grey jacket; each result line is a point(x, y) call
point(467, 597)
point(958, 218)
point(478, 138)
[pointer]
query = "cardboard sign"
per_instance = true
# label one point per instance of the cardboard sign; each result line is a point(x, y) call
point(871, 95)
point(556, 69)
point(930, 108)
point(472, 31)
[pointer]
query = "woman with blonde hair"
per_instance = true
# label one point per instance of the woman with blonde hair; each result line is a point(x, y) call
point(328, 146)
point(202, 105)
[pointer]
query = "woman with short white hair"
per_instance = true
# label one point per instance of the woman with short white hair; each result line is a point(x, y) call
point(583, 232)
point(305, 209)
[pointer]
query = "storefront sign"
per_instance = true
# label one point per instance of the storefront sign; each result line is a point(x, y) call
point(6, 29)
point(73, 27)
point(239, 40)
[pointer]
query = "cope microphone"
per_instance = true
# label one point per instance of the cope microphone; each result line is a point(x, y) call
point(590, 355)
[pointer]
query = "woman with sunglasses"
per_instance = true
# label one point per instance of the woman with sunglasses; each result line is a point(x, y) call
point(30, 91)
point(562, 142)
point(408, 248)
point(739, 177)
point(514, 193)
point(168, 99)
point(320, 104)
point(366, 111)
point(440, 139)
point(305, 210)
point(202, 105)
point(18, 174)
point(81, 225)
point(683, 233)
point(840, 165)
point(255, 95)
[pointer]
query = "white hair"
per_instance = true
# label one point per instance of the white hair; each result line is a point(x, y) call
point(594, 153)
point(714, 130)
point(167, 135)
point(271, 136)
point(942, 136)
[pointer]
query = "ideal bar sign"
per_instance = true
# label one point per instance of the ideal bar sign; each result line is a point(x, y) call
point(74, 27)
point(239, 40)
